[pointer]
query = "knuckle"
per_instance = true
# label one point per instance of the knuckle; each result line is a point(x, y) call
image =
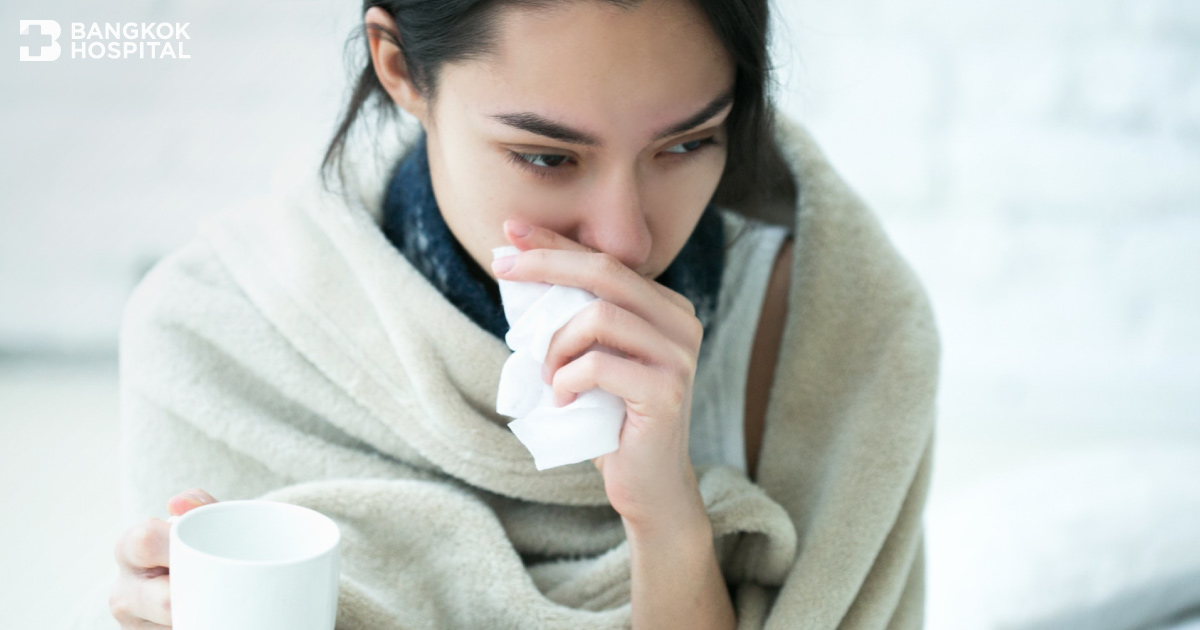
point(680, 361)
point(603, 312)
point(593, 362)
point(163, 601)
point(696, 330)
point(674, 394)
point(118, 603)
point(678, 299)
point(675, 388)
point(555, 338)
point(606, 264)
point(687, 305)
point(688, 378)
point(558, 378)
point(686, 364)
point(141, 542)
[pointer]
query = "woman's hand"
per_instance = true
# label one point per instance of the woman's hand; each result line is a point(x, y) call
point(141, 596)
point(649, 479)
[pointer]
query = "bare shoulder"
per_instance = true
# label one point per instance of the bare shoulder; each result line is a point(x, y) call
point(765, 352)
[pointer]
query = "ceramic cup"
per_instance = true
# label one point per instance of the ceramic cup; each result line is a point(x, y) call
point(261, 565)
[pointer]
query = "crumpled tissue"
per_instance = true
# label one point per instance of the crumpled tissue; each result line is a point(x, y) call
point(590, 425)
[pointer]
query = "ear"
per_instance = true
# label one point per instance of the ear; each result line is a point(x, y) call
point(389, 62)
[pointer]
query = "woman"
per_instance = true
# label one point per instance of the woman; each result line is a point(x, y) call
point(342, 351)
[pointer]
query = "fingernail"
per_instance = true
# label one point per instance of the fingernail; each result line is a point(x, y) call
point(501, 265)
point(196, 497)
point(518, 228)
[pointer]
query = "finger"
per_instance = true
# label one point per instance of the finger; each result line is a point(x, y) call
point(608, 279)
point(540, 237)
point(675, 297)
point(648, 391)
point(145, 545)
point(136, 602)
point(611, 326)
point(155, 600)
point(188, 500)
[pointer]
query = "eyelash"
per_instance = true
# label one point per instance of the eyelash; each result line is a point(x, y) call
point(556, 171)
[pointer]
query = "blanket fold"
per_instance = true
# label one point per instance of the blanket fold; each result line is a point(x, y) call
point(290, 352)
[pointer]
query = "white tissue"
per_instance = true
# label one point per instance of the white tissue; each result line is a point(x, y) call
point(591, 424)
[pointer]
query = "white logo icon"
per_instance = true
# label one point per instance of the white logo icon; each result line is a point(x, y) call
point(46, 51)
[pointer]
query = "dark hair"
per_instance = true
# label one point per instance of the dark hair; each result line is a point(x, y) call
point(756, 182)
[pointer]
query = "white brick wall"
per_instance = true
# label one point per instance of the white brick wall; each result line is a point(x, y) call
point(1039, 164)
point(1065, 110)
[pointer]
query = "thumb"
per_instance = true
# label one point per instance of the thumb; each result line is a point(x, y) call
point(188, 500)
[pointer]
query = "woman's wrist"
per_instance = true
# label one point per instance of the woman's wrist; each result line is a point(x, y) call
point(683, 524)
point(676, 579)
point(673, 512)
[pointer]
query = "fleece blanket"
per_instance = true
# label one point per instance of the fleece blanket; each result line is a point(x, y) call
point(290, 352)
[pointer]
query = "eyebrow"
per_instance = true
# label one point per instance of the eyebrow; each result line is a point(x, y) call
point(535, 123)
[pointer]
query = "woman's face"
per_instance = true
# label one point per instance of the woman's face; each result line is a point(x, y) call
point(600, 123)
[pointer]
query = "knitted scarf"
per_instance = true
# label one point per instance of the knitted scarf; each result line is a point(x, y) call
point(413, 223)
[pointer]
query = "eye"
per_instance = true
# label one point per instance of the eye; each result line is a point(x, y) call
point(548, 160)
point(540, 164)
point(548, 165)
point(695, 145)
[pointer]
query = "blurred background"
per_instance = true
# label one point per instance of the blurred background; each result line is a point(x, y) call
point(1037, 163)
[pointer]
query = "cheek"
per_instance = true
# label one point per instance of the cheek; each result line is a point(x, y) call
point(673, 207)
point(499, 194)
point(685, 190)
point(503, 192)
point(671, 217)
point(492, 189)
point(473, 198)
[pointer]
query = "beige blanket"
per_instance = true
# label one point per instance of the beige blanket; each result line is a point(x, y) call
point(290, 352)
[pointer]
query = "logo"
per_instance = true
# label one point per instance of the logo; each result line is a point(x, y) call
point(39, 31)
point(112, 40)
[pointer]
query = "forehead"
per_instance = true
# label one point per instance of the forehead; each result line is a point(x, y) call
point(598, 66)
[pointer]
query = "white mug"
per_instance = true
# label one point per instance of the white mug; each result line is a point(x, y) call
point(261, 565)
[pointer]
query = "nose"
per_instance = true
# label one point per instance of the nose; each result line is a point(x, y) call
point(614, 220)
